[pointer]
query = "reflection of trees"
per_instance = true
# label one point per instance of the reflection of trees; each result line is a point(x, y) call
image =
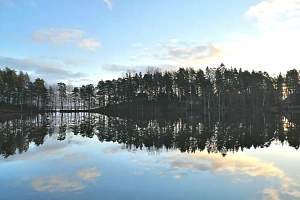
point(215, 132)
point(15, 135)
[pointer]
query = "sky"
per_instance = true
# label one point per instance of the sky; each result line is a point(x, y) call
point(85, 41)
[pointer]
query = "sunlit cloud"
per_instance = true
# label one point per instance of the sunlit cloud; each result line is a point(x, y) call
point(137, 45)
point(268, 52)
point(56, 183)
point(188, 53)
point(89, 44)
point(235, 166)
point(48, 70)
point(65, 36)
point(109, 4)
point(64, 182)
point(268, 13)
point(271, 194)
point(175, 40)
point(57, 36)
point(178, 176)
point(89, 174)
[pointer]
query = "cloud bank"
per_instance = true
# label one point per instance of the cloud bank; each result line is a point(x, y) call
point(48, 70)
point(62, 36)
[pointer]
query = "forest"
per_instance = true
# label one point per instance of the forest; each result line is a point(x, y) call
point(213, 89)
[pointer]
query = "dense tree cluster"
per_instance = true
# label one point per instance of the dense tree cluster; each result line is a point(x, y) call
point(17, 89)
point(212, 89)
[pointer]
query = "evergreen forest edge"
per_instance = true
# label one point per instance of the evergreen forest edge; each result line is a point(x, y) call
point(187, 89)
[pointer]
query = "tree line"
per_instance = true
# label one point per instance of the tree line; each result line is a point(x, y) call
point(218, 88)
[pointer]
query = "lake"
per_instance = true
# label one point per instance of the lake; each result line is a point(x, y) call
point(185, 156)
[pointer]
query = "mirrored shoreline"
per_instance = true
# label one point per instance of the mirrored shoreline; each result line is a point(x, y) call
point(85, 155)
point(215, 132)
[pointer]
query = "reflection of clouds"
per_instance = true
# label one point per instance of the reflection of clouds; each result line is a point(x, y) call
point(48, 149)
point(56, 183)
point(112, 149)
point(138, 173)
point(74, 157)
point(38, 153)
point(178, 176)
point(117, 148)
point(235, 165)
point(271, 194)
point(161, 174)
point(241, 178)
point(89, 174)
point(63, 182)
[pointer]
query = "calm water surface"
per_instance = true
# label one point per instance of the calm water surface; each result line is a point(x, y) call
point(92, 156)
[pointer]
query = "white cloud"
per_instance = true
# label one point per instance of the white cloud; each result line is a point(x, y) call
point(271, 194)
point(270, 11)
point(50, 71)
point(133, 57)
point(273, 52)
point(137, 45)
point(64, 36)
point(175, 40)
point(116, 67)
point(160, 43)
point(56, 183)
point(89, 44)
point(57, 36)
point(189, 54)
point(109, 4)
point(233, 165)
point(63, 182)
point(178, 176)
point(89, 174)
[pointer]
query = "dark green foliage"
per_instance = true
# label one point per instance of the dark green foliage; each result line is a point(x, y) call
point(213, 89)
point(17, 89)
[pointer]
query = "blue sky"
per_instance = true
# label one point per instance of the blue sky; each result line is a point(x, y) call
point(84, 41)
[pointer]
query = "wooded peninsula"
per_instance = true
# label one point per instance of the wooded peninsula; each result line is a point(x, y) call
point(187, 89)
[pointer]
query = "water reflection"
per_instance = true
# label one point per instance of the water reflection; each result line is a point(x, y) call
point(213, 132)
point(92, 156)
